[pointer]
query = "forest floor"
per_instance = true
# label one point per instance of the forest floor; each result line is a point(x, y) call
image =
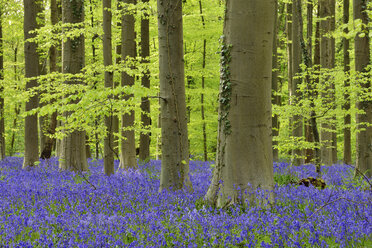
point(43, 207)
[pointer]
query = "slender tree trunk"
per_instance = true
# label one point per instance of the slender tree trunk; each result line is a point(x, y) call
point(108, 157)
point(73, 153)
point(43, 120)
point(2, 123)
point(274, 86)
point(297, 120)
point(58, 142)
point(313, 120)
point(327, 61)
point(115, 118)
point(346, 106)
point(128, 52)
point(94, 55)
point(290, 58)
point(17, 108)
point(53, 56)
point(244, 154)
point(363, 120)
point(31, 70)
point(175, 151)
point(309, 136)
point(205, 149)
point(144, 151)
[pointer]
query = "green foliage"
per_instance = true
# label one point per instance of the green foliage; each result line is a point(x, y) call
point(285, 179)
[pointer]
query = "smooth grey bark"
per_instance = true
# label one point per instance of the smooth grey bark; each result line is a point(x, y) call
point(327, 61)
point(108, 156)
point(174, 136)
point(144, 141)
point(346, 106)
point(128, 53)
point(73, 153)
point(244, 153)
point(363, 120)
point(2, 123)
point(31, 154)
point(297, 120)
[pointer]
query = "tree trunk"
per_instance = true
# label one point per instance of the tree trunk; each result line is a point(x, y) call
point(73, 154)
point(43, 120)
point(17, 108)
point(108, 157)
point(327, 61)
point(95, 74)
point(309, 135)
point(174, 139)
point(2, 123)
point(128, 52)
point(274, 86)
point(115, 118)
point(205, 149)
point(346, 106)
point(31, 154)
point(54, 54)
point(297, 120)
point(363, 120)
point(144, 151)
point(244, 154)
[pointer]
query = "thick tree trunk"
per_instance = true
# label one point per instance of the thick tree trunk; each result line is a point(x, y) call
point(144, 151)
point(297, 120)
point(175, 151)
point(346, 106)
point(2, 123)
point(327, 61)
point(73, 154)
point(362, 61)
point(244, 154)
point(108, 157)
point(128, 52)
point(31, 70)
point(205, 149)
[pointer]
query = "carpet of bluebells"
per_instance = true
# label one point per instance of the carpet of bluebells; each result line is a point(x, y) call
point(43, 207)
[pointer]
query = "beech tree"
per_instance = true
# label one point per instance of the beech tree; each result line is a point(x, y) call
point(54, 57)
point(174, 140)
point(108, 157)
point(31, 154)
point(73, 154)
point(363, 118)
point(346, 106)
point(297, 120)
point(128, 54)
point(244, 155)
point(144, 148)
point(327, 61)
